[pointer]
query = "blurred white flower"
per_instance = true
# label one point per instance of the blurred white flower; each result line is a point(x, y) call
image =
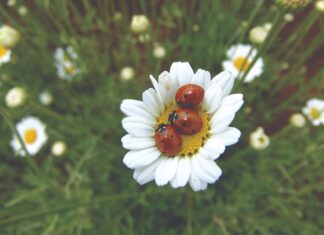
point(259, 140)
point(314, 111)
point(15, 97)
point(5, 55)
point(297, 120)
point(267, 26)
point(45, 98)
point(65, 62)
point(144, 38)
point(58, 148)
point(289, 17)
point(33, 134)
point(9, 36)
point(11, 3)
point(140, 24)
point(240, 57)
point(22, 10)
point(319, 5)
point(258, 34)
point(159, 51)
point(127, 73)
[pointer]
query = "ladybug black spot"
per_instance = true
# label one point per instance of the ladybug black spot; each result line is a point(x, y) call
point(185, 96)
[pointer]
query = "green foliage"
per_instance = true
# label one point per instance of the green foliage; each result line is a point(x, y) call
point(89, 190)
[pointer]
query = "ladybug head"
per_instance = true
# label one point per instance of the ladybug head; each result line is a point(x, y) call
point(172, 117)
point(161, 128)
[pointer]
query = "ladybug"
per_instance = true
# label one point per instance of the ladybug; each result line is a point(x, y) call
point(186, 121)
point(189, 96)
point(167, 140)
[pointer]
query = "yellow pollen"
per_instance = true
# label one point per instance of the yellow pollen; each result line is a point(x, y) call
point(69, 69)
point(30, 136)
point(190, 143)
point(241, 63)
point(3, 51)
point(315, 113)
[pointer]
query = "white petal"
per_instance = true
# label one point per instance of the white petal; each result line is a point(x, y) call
point(234, 101)
point(132, 142)
point(168, 87)
point(152, 102)
point(202, 78)
point(183, 173)
point(229, 136)
point(210, 168)
point(199, 171)
point(135, 108)
point(212, 98)
point(155, 84)
point(221, 120)
point(145, 174)
point(138, 158)
point(166, 170)
point(138, 127)
point(182, 71)
point(225, 81)
point(208, 154)
point(215, 145)
point(195, 183)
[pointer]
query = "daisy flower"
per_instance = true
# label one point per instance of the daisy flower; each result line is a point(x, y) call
point(259, 140)
point(16, 97)
point(239, 59)
point(32, 132)
point(9, 36)
point(5, 55)
point(65, 62)
point(194, 163)
point(297, 120)
point(140, 24)
point(314, 111)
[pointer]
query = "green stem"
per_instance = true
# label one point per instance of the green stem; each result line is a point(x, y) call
point(268, 41)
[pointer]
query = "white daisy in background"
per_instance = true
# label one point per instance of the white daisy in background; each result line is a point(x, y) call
point(65, 62)
point(127, 73)
point(16, 97)
point(239, 60)
point(259, 140)
point(46, 98)
point(140, 24)
point(319, 5)
point(314, 111)
point(194, 163)
point(33, 134)
point(9, 36)
point(159, 51)
point(297, 120)
point(258, 34)
point(58, 148)
point(5, 55)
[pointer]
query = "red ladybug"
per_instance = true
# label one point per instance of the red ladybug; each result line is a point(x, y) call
point(186, 121)
point(167, 140)
point(189, 96)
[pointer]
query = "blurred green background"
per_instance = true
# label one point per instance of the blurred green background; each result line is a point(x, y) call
point(89, 190)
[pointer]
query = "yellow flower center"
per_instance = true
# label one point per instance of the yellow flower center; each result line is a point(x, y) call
point(241, 63)
point(190, 143)
point(69, 69)
point(30, 136)
point(3, 51)
point(315, 113)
